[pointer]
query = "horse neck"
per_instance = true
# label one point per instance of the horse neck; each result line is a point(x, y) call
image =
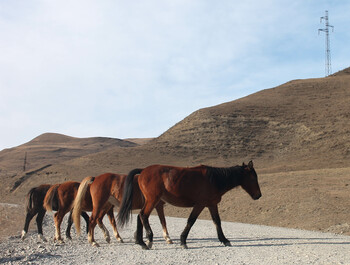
point(225, 179)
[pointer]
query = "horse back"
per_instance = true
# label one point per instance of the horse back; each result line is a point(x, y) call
point(106, 185)
point(180, 186)
point(66, 193)
point(111, 184)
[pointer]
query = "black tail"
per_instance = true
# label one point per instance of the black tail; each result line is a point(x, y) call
point(125, 208)
point(29, 202)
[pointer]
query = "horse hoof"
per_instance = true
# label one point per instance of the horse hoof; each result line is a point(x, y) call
point(95, 244)
point(108, 239)
point(41, 237)
point(145, 247)
point(69, 237)
point(59, 240)
point(227, 244)
point(149, 245)
point(169, 241)
point(120, 240)
point(184, 246)
point(24, 235)
point(142, 244)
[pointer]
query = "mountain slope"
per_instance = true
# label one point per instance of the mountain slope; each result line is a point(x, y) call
point(300, 121)
point(51, 148)
point(20, 163)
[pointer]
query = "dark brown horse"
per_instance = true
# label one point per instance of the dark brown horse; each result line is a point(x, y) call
point(60, 197)
point(107, 190)
point(196, 187)
point(34, 206)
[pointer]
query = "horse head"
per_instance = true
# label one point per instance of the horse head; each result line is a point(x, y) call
point(250, 181)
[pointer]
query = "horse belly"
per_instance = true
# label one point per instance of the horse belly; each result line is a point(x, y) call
point(177, 201)
point(186, 192)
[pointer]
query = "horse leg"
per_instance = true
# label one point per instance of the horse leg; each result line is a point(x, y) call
point(86, 218)
point(111, 218)
point(70, 223)
point(139, 231)
point(58, 220)
point(191, 220)
point(69, 226)
point(104, 229)
point(160, 211)
point(29, 217)
point(39, 223)
point(144, 215)
point(92, 224)
point(216, 219)
point(94, 219)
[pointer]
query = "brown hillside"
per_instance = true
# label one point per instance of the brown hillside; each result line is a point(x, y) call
point(297, 134)
point(45, 150)
point(303, 122)
point(52, 148)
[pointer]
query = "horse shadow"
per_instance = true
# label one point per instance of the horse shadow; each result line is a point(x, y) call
point(244, 242)
point(270, 241)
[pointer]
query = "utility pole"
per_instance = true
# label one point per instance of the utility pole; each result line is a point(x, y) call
point(328, 65)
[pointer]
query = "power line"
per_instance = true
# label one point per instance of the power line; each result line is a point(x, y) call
point(328, 65)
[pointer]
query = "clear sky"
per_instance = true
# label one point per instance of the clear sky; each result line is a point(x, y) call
point(135, 68)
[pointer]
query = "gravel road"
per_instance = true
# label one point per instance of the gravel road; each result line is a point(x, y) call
point(251, 244)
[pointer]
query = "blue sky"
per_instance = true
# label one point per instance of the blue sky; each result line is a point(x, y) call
point(135, 68)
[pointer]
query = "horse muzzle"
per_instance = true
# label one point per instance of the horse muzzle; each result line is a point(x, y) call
point(257, 196)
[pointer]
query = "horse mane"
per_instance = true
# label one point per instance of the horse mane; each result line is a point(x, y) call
point(224, 178)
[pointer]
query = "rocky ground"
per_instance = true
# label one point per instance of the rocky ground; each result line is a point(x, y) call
point(251, 244)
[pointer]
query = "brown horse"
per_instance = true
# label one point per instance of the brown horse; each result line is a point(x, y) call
point(196, 187)
point(107, 190)
point(60, 197)
point(34, 206)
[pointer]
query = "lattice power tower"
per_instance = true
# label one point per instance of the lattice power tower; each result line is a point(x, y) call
point(328, 66)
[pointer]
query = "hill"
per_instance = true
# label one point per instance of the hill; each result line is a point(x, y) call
point(297, 134)
point(303, 123)
point(52, 148)
point(20, 163)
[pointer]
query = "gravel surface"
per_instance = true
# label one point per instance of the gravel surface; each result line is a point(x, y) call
point(251, 244)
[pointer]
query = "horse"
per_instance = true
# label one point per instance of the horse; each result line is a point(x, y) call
point(60, 197)
point(105, 190)
point(197, 187)
point(34, 206)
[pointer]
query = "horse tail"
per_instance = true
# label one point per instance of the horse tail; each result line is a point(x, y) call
point(29, 199)
point(78, 201)
point(49, 197)
point(125, 208)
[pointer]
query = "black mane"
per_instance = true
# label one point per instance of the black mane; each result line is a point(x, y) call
point(225, 178)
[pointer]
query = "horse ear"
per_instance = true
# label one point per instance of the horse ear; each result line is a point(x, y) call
point(243, 165)
point(250, 164)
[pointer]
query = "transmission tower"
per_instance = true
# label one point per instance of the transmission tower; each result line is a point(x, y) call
point(328, 66)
